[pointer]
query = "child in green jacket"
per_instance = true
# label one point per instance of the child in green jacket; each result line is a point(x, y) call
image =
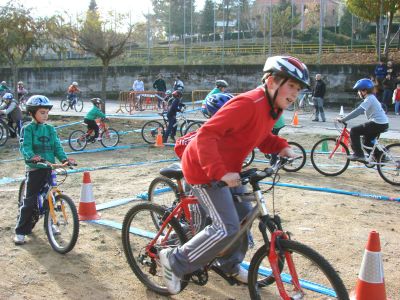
point(92, 115)
point(38, 141)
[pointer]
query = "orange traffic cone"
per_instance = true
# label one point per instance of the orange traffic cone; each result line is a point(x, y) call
point(159, 139)
point(87, 206)
point(295, 121)
point(370, 283)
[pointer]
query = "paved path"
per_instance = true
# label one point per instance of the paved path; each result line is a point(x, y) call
point(306, 125)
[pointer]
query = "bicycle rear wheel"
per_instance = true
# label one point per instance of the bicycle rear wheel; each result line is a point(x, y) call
point(299, 163)
point(64, 104)
point(325, 162)
point(78, 106)
point(4, 133)
point(62, 235)
point(138, 230)
point(150, 130)
point(389, 164)
point(193, 126)
point(77, 140)
point(317, 277)
point(109, 138)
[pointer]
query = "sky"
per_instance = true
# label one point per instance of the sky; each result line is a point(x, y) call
point(51, 7)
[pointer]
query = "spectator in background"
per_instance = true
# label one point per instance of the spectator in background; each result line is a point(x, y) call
point(21, 90)
point(318, 98)
point(178, 84)
point(388, 86)
point(4, 88)
point(380, 72)
point(161, 88)
point(138, 85)
point(396, 99)
point(390, 69)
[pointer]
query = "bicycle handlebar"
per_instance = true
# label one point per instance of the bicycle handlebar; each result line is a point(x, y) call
point(44, 162)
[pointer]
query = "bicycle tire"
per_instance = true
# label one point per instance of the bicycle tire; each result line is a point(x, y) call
point(193, 126)
point(150, 130)
point(311, 268)
point(183, 127)
point(64, 104)
point(109, 138)
point(65, 239)
point(5, 133)
point(249, 159)
point(389, 164)
point(329, 166)
point(297, 164)
point(77, 140)
point(137, 231)
point(78, 106)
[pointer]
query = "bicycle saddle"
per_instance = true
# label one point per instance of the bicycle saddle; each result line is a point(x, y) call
point(173, 171)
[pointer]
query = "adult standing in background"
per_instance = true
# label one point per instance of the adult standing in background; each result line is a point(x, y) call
point(318, 98)
point(138, 86)
point(160, 87)
point(380, 72)
point(178, 84)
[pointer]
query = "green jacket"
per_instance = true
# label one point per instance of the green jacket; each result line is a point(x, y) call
point(280, 122)
point(94, 113)
point(213, 91)
point(41, 139)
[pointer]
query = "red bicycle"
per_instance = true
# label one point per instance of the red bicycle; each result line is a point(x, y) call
point(149, 227)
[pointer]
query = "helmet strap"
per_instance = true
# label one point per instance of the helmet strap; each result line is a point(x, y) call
point(274, 112)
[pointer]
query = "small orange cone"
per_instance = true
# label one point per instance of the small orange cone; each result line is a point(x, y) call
point(159, 139)
point(87, 206)
point(295, 121)
point(370, 283)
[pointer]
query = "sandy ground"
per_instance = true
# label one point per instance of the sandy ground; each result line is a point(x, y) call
point(337, 226)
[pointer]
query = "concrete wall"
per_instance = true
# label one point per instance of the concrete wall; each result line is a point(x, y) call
point(54, 81)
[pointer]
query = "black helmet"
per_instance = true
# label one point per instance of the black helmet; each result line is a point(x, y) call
point(37, 101)
point(96, 101)
point(221, 83)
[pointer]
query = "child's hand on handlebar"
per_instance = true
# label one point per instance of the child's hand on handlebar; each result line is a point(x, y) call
point(36, 159)
point(231, 179)
point(69, 162)
point(287, 152)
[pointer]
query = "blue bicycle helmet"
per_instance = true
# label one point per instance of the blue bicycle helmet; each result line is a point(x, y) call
point(363, 84)
point(216, 101)
point(8, 96)
point(37, 101)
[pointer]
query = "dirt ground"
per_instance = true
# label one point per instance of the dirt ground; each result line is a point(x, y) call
point(337, 226)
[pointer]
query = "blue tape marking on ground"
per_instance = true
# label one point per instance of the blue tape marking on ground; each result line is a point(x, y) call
point(69, 124)
point(145, 195)
point(116, 225)
point(6, 180)
point(114, 203)
point(334, 191)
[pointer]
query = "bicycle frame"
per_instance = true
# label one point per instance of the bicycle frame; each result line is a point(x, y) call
point(344, 137)
point(51, 197)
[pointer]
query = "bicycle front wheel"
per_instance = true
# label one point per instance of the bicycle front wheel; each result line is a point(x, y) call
point(328, 158)
point(249, 159)
point(193, 126)
point(389, 164)
point(299, 163)
point(64, 233)
point(4, 133)
point(77, 140)
point(64, 104)
point(150, 131)
point(109, 138)
point(78, 106)
point(318, 279)
point(138, 230)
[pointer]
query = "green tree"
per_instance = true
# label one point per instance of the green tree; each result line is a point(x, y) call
point(99, 37)
point(21, 35)
point(371, 10)
point(345, 26)
point(207, 18)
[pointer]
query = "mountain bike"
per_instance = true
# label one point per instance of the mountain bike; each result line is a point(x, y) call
point(149, 227)
point(329, 156)
point(61, 221)
point(7, 130)
point(74, 103)
point(150, 129)
point(108, 137)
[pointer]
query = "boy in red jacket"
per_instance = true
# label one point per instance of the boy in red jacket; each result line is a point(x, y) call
point(217, 153)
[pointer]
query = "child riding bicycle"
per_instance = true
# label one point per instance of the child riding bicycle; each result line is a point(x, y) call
point(13, 112)
point(377, 119)
point(175, 106)
point(217, 153)
point(73, 90)
point(38, 141)
point(92, 115)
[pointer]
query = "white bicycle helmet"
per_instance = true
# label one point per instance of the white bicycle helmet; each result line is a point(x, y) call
point(74, 83)
point(37, 101)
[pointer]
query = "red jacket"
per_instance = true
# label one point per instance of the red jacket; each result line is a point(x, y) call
point(225, 140)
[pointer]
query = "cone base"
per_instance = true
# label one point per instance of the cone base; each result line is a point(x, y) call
point(87, 211)
point(89, 218)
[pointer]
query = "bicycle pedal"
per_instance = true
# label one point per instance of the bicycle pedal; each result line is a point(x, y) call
point(199, 277)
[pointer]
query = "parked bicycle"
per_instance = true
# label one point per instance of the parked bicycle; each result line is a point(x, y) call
point(149, 227)
point(75, 103)
point(108, 137)
point(61, 221)
point(150, 129)
point(304, 102)
point(329, 156)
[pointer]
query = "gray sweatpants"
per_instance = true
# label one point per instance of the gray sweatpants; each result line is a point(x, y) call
point(208, 243)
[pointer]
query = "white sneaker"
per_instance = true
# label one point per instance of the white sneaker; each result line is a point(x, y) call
point(172, 282)
point(242, 275)
point(55, 229)
point(19, 239)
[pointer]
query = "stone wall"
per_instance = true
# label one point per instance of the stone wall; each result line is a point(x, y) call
point(54, 81)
